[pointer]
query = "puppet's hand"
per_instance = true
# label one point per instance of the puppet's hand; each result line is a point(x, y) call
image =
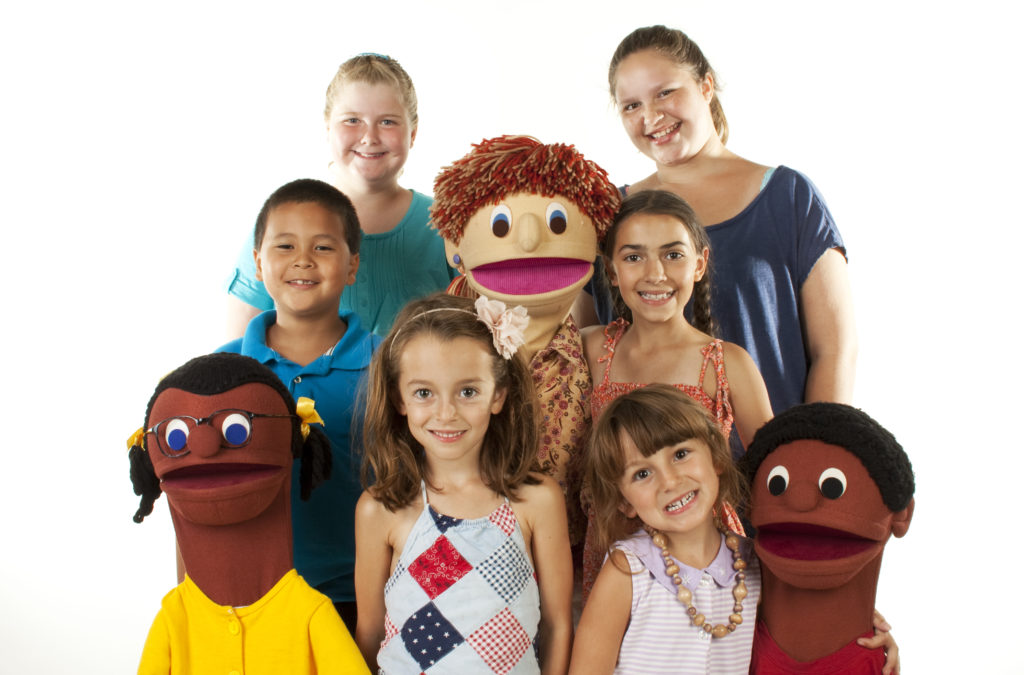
point(883, 638)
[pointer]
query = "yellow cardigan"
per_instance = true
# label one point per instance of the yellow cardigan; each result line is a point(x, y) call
point(292, 629)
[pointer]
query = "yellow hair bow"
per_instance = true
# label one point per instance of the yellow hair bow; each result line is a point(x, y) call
point(137, 438)
point(305, 408)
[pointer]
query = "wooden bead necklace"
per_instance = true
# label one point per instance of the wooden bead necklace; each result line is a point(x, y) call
point(739, 591)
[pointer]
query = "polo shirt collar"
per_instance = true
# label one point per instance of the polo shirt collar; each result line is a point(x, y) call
point(353, 352)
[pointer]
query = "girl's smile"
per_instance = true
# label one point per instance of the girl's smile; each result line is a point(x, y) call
point(369, 132)
point(672, 490)
point(655, 266)
point(664, 110)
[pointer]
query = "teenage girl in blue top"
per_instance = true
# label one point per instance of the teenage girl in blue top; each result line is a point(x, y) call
point(781, 287)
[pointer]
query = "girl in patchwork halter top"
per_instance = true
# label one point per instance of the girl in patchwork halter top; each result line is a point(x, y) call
point(462, 549)
point(658, 262)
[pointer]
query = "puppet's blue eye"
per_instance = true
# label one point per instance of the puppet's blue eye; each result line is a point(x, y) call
point(235, 428)
point(176, 435)
point(778, 480)
point(501, 220)
point(557, 221)
point(832, 483)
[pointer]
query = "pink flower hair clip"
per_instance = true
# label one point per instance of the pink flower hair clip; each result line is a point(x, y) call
point(507, 326)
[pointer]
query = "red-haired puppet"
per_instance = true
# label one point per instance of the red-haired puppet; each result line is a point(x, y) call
point(220, 437)
point(522, 221)
point(829, 485)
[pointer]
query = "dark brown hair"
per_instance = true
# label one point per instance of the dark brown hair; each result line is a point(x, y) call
point(676, 45)
point(311, 190)
point(394, 462)
point(654, 417)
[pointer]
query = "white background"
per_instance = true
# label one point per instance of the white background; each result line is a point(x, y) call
point(139, 140)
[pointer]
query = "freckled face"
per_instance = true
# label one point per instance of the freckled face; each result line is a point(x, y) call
point(819, 515)
point(211, 482)
point(526, 247)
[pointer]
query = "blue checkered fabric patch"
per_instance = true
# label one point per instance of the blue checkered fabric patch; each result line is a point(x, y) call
point(507, 570)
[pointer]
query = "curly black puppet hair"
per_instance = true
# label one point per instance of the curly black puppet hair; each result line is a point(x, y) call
point(215, 374)
point(847, 427)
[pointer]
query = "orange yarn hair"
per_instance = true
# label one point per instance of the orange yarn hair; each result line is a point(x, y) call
point(506, 165)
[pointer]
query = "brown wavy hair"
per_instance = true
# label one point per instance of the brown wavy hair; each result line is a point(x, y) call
point(676, 45)
point(654, 417)
point(394, 462)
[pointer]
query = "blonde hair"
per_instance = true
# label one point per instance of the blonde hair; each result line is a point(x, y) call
point(374, 69)
point(677, 46)
point(394, 462)
point(654, 417)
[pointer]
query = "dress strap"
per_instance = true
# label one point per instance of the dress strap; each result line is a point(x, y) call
point(423, 491)
point(610, 340)
point(713, 353)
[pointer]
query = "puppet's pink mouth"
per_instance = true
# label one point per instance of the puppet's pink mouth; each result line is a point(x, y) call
point(530, 276)
point(802, 541)
point(202, 476)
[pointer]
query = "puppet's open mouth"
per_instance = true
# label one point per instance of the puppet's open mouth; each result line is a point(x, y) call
point(803, 541)
point(202, 476)
point(530, 276)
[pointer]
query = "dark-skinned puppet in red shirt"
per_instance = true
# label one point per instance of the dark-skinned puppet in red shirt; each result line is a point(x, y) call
point(828, 487)
point(220, 435)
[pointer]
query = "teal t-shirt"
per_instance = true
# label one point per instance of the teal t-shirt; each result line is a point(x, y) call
point(396, 266)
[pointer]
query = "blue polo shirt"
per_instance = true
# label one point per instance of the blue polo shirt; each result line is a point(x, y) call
point(323, 528)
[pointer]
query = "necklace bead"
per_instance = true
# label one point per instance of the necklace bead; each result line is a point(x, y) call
point(683, 594)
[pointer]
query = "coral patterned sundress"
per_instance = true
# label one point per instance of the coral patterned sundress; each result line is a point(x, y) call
point(607, 391)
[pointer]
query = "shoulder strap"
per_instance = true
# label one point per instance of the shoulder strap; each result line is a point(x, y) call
point(610, 340)
point(714, 353)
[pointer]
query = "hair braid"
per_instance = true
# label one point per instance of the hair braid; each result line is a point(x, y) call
point(703, 320)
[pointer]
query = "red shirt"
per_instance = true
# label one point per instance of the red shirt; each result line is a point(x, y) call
point(767, 658)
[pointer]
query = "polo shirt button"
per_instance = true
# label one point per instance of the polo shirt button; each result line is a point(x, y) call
point(297, 379)
point(233, 627)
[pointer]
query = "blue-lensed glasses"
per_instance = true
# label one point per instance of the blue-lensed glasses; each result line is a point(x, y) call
point(235, 428)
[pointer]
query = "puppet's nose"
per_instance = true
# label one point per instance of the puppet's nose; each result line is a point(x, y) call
point(803, 496)
point(528, 228)
point(204, 441)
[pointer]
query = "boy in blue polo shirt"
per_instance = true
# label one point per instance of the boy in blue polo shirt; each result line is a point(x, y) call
point(307, 250)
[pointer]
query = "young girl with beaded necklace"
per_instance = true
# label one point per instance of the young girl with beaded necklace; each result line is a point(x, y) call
point(671, 596)
point(657, 258)
point(462, 549)
point(678, 593)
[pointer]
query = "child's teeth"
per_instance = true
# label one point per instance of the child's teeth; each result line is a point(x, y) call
point(681, 502)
